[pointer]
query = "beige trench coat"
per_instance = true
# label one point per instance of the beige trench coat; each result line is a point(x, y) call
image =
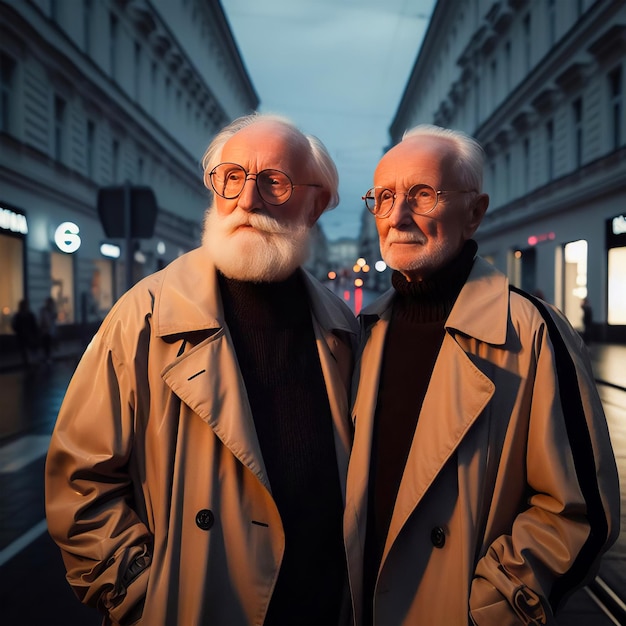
point(155, 483)
point(510, 491)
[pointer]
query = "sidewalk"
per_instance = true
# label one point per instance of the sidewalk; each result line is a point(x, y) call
point(11, 360)
point(609, 363)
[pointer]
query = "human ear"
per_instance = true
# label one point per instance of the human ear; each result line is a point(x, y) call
point(207, 180)
point(320, 202)
point(476, 212)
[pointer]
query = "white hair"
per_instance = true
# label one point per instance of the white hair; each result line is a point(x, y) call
point(469, 153)
point(322, 164)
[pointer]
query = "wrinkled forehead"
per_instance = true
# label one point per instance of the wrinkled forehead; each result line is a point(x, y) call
point(425, 159)
point(268, 145)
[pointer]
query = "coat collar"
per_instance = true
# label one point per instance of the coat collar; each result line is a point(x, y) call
point(486, 290)
point(188, 298)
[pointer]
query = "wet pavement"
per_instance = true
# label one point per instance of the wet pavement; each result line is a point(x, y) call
point(33, 591)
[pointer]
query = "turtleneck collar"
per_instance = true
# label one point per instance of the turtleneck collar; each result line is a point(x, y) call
point(264, 303)
point(432, 299)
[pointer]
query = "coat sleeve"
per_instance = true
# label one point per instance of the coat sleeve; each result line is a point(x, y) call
point(90, 502)
point(572, 511)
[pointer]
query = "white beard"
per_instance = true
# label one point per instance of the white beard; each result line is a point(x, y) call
point(267, 252)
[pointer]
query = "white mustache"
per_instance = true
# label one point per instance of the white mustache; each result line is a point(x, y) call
point(398, 236)
point(258, 221)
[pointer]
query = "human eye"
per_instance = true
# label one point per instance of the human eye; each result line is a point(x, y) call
point(273, 178)
point(421, 193)
point(274, 182)
point(385, 196)
point(234, 175)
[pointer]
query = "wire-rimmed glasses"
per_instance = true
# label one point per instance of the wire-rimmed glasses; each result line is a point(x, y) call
point(422, 199)
point(274, 187)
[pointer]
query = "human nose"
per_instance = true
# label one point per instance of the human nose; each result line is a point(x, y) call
point(401, 213)
point(249, 198)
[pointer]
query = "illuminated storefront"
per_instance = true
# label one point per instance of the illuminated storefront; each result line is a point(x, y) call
point(616, 270)
point(13, 231)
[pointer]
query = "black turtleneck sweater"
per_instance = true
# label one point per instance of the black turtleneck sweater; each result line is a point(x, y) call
point(272, 331)
point(412, 343)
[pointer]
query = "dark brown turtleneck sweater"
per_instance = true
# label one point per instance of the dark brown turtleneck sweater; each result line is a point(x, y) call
point(272, 331)
point(412, 343)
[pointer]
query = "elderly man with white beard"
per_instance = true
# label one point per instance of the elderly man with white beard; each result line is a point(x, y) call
point(196, 474)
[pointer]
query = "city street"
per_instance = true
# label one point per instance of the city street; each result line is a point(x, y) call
point(33, 591)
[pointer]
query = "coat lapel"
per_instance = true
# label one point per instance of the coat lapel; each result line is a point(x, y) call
point(446, 415)
point(208, 380)
point(367, 372)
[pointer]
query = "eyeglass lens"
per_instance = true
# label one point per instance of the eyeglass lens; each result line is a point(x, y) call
point(421, 199)
point(229, 179)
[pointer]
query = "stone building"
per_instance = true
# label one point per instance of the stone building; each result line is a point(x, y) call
point(99, 94)
point(541, 84)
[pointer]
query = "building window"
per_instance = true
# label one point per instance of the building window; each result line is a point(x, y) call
point(507, 177)
point(507, 65)
point(113, 36)
point(494, 82)
point(87, 13)
point(527, 42)
point(137, 70)
point(59, 128)
point(577, 113)
point(477, 99)
point(550, 149)
point(7, 91)
point(153, 86)
point(115, 160)
point(615, 115)
point(90, 148)
point(551, 22)
point(140, 169)
point(165, 109)
point(526, 164)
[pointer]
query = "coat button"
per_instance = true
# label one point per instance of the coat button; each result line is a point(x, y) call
point(438, 537)
point(205, 519)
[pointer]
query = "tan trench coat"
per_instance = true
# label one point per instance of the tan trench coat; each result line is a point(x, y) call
point(155, 483)
point(510, 491)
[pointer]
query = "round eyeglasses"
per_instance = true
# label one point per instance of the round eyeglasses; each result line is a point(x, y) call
point(422, 199)
point(274, 186)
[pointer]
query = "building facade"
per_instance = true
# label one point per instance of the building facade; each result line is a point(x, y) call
point(118, 95)
point(541, 85)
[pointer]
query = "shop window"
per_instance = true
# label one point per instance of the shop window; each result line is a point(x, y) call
point(102, 286)
point(62, 277)
point(617, 286)
point(11, 279)
point(574, 281)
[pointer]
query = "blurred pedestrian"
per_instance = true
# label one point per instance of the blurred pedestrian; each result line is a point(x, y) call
point(482, 485)
point(196, 474)
point(587, 320)
point(48, 326)
point(26, 329)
